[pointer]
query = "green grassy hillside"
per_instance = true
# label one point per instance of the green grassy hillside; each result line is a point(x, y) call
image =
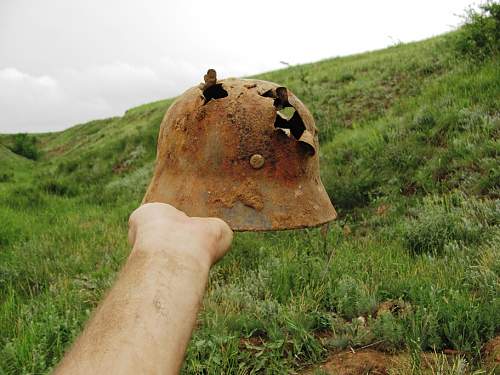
point(409, 155)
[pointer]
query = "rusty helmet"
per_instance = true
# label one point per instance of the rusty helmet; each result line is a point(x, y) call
point(226, 149)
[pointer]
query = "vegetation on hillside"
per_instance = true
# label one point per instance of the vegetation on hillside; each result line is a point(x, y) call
point(479, 38)
point(409, 156)
point(25, 145)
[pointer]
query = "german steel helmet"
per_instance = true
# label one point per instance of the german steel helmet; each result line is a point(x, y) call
point(226, 149)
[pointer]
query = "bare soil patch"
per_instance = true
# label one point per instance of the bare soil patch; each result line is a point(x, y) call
point(492, 352)
point(358, 363)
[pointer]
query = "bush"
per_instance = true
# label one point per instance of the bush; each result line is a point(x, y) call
point(351, 298)
point(390, 331)
point(443, 220)
point(479, 37)
point(59, 187)
point(423, 120)
point(25, 145)
point(5, 177)
point(68, 166)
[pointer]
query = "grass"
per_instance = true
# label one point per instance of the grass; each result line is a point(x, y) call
point(409, 156)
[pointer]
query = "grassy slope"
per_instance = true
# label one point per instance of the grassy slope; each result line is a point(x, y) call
point(410, 158)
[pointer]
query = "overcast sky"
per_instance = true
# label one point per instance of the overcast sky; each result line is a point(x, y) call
point(64, 62)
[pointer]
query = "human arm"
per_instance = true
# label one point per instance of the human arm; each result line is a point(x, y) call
point(145, 322)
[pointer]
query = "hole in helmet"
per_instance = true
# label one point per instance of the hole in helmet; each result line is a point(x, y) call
point(294, 124)
point(214, 92)
point(286, 115)
point(269, 94)
point(280, 96)
point(287, 112)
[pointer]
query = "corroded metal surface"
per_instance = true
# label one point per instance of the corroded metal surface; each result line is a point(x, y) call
point(225, 150)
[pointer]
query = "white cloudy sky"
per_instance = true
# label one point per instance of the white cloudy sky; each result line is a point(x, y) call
point(64, 62)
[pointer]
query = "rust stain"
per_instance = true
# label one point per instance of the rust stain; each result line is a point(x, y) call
point(247, 193)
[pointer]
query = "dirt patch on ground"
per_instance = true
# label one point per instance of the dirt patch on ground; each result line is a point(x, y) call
point(370, 361)
point(358, 363)
point(492, 352)
point(394, 307)
point(367, 362)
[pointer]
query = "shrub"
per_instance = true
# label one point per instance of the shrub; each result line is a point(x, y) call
point(351, 298)
point(423, 119)
point(444, 220)
point(5, 177)
point(59, 187)
point(479, 37)
point(466, 322)
point(346, 77)
point(423, 329)
point(390, 331)
point(68, 166)
point(25, 145)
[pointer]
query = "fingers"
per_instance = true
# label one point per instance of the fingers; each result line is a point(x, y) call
point(160, 223)
point(150, 213)
point(223, 238)
point(131, 234)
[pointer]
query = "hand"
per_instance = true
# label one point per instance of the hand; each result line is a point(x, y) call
point(160, 228)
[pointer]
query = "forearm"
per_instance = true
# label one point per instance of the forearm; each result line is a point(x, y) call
point(145, 323)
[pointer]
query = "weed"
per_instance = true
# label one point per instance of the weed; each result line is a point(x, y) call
point(351, 298)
